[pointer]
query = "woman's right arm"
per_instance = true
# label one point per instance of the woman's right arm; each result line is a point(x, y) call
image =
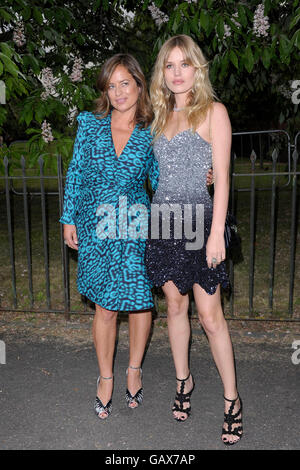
point(73, 185)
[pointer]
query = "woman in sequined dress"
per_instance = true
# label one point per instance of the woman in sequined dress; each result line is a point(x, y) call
point(192, 133)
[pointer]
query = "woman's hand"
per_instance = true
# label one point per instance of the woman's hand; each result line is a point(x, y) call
point(215, 249)
point(210, 177)
point(70, 236)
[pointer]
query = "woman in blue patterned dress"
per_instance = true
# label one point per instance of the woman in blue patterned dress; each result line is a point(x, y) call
point(112, 159)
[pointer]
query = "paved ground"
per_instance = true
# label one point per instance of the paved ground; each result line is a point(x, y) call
point(48, 384)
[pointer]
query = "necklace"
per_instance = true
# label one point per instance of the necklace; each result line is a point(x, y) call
point(177, 109)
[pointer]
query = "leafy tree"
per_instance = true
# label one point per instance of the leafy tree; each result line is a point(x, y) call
point(52, 34)
point(253, 50)
point(51, 51)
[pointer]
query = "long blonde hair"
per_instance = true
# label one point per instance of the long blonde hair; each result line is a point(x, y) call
point(200, 97)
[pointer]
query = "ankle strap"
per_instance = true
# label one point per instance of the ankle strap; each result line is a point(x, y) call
point(232, 401)
point(135, 368)
point(183, 380)
point(106, 378)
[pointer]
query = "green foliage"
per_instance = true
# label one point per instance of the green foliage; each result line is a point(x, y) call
point(51, 36)
point(250, 73)
point(244, 67)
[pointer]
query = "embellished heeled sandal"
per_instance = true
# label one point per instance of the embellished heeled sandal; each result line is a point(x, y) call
point(98, 405)
point(183, 398)
point(138, 397)
point(232, 420)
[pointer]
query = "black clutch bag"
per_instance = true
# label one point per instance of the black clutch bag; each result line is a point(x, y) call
point(231, 235)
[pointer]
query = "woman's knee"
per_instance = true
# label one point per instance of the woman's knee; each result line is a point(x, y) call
point(177, 304)
point(177, 307)
point(212, 321)
point(107, 316)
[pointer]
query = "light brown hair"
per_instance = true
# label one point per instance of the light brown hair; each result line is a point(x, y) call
point(143, 114)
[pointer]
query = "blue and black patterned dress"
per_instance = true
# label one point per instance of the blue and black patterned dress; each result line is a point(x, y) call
point(111, 268)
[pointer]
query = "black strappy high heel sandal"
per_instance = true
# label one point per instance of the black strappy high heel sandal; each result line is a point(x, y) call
point(98, 405)
point(138, 397)
point(232, 419)
point(183, 398)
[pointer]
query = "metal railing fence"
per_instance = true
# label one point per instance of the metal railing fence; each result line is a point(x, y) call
point(264, 163)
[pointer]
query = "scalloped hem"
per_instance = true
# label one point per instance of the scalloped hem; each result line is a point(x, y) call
point(225, 284)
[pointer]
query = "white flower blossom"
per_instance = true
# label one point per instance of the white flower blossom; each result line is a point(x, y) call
point(47, 132)
point(260, 22)
point(18, 34)
point(48, 82)
point(285, 90)
point(44, 95)
point(76, 75)
point(71, 115)
point(233, 19)
point(158, 16)
point(227, 31)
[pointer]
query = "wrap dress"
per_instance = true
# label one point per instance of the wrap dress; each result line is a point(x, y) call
point(105, 197)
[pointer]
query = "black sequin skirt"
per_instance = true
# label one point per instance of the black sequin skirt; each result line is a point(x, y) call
point(170, 260)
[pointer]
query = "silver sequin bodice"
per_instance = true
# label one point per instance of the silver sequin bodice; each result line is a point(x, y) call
point(183, 165)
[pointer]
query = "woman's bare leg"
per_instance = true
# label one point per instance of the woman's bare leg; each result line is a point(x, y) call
point(212, 319)
point(139, 329)
point(104, 334)
point(179, 335)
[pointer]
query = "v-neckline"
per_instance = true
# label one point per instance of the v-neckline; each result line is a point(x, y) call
point(112, 140)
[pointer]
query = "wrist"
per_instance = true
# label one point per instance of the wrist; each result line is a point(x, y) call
point(217, 230)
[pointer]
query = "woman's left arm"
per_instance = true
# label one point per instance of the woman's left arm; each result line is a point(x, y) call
point(153, 170)
point(221, 146)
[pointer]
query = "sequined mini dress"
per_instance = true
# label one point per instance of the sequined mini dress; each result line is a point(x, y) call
point(181, 216)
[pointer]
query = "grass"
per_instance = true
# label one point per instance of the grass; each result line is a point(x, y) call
point(261, 308)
